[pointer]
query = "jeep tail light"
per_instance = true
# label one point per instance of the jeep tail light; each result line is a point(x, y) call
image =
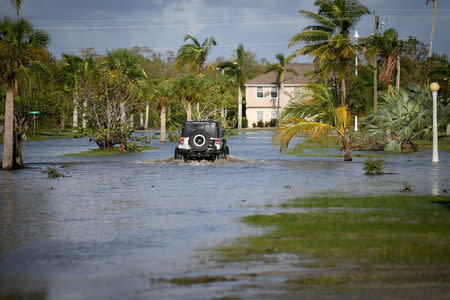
point(217, 141)
point(181, 141)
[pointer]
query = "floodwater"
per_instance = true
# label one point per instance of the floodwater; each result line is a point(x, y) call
point(120, 227)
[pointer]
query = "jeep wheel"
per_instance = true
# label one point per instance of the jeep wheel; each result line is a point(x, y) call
point(227, 150)
point(177, 154)
point(199, 140)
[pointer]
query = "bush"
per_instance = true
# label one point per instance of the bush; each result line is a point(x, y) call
point(244, 122)
point(374, 166)
point(254, 125)
point(273, 123)
point(260, 123)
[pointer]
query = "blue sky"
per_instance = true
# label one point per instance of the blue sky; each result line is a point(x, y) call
point(263, 26)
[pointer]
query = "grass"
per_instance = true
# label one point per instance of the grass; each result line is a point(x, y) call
point(320, 148)
point(403, 238)
point(113, 151)
point(443, 144)
point(40, 136)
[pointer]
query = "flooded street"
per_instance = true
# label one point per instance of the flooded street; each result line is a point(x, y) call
point(116, 226)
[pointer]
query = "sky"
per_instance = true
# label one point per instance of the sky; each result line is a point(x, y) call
point(262, 26)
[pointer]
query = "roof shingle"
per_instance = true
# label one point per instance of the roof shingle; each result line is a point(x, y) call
point(289, 78)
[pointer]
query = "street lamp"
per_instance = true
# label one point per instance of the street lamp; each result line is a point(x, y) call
point(434, 87)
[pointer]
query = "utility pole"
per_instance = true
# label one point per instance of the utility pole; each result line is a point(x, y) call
point(375, 66)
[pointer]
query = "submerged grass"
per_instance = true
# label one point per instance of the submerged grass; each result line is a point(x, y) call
point(113, 151)
point(406, 233)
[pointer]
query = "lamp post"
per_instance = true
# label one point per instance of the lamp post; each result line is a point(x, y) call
point(434, 87)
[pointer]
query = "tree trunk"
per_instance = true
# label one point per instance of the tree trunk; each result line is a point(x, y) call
point(347, 146)
point(8, 135)
point(19, 143)
point(147, 108)
point(123, 116)
point(83, 118)
point(163, 125)
point(432, 29)
point(75, 113)
point(132, 120)
point(239, 108)
point(375, 84)
point(141, 119)
point(397, 78)
point(447, 131)
point(189, 111)
point(282, 100)
point(344, 91)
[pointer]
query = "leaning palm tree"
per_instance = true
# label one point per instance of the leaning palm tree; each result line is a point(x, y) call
point(20, 47)
point(328, 40)
point(313, 113)
point(281, 68)
point(432, 26)
point(386, 47)
point(194, 54)
point(17, 4)
point(235, 67)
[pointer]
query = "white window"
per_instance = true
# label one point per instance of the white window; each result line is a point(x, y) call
point(274, 92)
point(259, 115)
point(274, 114)
point(259, 92)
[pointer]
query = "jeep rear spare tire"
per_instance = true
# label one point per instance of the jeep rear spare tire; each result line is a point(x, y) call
point(199, 140)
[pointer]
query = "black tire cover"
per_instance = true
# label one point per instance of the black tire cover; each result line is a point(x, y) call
point(199, 140)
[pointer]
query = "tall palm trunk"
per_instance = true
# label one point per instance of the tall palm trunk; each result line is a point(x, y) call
point(344, 91)
point(147, 108)
point(397, 78)
point(163, 124)
point(8, 135)
point(347, 146)
point(83, 118)
point(432, 29)
point(189, 111)
point(141, 119)
point(75, 113)
point(239, 108)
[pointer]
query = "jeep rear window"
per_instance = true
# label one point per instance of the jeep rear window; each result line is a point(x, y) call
point(213, 129)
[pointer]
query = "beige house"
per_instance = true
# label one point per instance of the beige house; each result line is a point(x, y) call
point(264, 100)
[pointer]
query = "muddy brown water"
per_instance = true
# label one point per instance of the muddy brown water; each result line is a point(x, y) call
point(120, 227)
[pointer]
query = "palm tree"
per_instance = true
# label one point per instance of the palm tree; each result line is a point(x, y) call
point(194, 54)
point(328, 40)
point(281, 68)
point(385, 47)
point(17, 4)
point(432, 26)
point(185, 87)
point(127, 66)
point(71, 71)
point(162, 93)
point(20, 46)
point(235, 67)
point(403, 115)
point(314, 113)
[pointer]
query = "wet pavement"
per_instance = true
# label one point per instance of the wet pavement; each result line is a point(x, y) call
point(117, 227)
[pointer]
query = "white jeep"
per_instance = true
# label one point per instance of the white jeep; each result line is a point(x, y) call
point(201, 140)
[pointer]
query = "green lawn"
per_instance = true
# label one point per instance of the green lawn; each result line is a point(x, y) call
point(402, 239)
point(113, 151)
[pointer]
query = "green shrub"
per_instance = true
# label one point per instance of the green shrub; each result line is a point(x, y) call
point(244, 122)
point(374, 166)
point(260, 123)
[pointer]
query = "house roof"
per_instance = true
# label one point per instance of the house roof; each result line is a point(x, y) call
point(289, 78)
